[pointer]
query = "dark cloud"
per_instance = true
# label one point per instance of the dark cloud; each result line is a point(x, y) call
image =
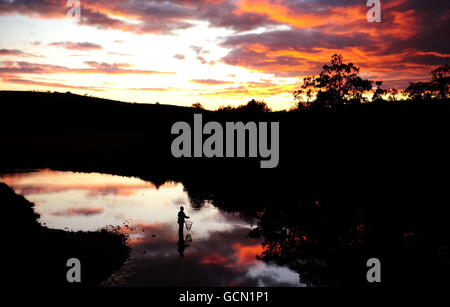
point(427, 59)
point(103, 21)
point(298, 39)
point(46, 8)
point(152, 16)
point(223, 16)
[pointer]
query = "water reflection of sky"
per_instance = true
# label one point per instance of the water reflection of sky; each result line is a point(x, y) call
point(220, 254)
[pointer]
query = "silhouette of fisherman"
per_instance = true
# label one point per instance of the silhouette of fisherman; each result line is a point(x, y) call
point(181, 243)
point(181, 217)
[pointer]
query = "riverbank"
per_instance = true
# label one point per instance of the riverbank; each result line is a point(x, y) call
point(37, 255)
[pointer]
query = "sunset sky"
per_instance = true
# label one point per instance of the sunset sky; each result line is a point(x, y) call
point(216, 52)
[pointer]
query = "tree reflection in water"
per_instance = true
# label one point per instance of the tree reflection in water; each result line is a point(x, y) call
point(329, 241)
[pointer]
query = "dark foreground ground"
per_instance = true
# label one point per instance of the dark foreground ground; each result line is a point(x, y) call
point(38, 255)
point(353, 183)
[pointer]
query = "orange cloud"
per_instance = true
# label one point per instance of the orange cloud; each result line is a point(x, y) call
point(278, 11)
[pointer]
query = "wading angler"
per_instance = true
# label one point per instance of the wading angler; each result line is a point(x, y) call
point(218, 145)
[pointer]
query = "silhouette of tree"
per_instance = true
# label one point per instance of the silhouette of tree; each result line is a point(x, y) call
point(392, 94)
point(419, 90)
point(198, 106)
point(440, 78)
point(381, 95)
point(379, 92)
point(254, 106)
point(438, 87)
point(337, 84)
point(227, 108)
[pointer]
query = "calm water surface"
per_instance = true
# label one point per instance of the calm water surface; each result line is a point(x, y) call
point(217, 251)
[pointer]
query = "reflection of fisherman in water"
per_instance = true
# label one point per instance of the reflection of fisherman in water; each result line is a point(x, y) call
point(181, 243)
